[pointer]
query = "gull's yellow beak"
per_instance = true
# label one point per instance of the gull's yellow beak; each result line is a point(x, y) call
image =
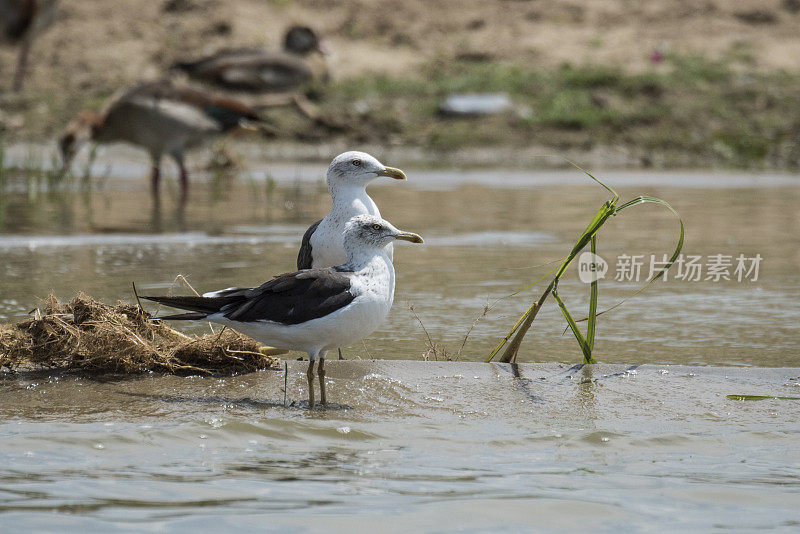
point(409, 236)
point(391, 172)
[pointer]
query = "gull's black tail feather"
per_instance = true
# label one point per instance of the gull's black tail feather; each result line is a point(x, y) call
point(191, 316)
point(202, 305)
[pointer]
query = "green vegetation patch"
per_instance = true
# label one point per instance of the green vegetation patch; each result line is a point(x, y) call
point(689, 109)
point(719, 112)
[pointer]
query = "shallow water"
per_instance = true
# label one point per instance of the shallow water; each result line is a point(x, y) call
point(421, 446)
point(425, 446)
point(484, 240)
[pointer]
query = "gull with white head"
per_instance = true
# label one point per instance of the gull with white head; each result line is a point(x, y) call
point(312, 310)
point(347, 177)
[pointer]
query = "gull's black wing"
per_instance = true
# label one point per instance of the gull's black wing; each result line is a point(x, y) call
point(304, 257)
point(289, 299)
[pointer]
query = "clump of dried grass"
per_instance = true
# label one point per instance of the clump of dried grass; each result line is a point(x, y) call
point(88, 336)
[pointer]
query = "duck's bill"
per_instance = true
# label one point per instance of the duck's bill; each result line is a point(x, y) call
point(249, 126)
point(323, 48)
point(409, 236)
point(391, 172)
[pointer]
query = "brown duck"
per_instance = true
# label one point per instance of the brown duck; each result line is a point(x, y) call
point(161, 118)
point(262, 71)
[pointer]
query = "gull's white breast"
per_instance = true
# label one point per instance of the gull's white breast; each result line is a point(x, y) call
point(327, 241)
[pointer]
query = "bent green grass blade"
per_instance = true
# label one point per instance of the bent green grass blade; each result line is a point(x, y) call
point(606, 210)
point(758, 397)
point(589, 236)
point(590, 328)
point(602, 215)
point(517, 292)
point(520, 320)
point(678, 247)
point(590, 175)
point(509, 334)
point(587, 351)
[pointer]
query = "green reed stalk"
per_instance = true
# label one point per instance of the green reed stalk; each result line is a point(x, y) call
point(589, 236)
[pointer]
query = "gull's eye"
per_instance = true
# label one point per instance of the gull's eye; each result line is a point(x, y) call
point(357, 162)
point(376, 226)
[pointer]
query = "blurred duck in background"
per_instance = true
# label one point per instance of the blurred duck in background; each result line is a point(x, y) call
point(263, 71)
point(161, 118)
point(20, 22)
